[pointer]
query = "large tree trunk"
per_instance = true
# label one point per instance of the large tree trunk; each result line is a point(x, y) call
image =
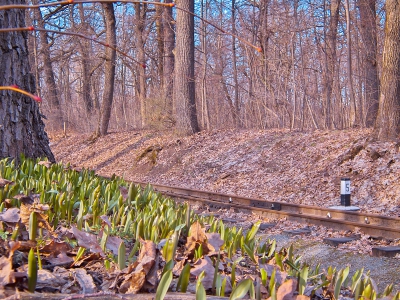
point(109, 69)
point(387, 126)
point(184, 84)
point(330, 61)
point(371, 78)
point(21, 125)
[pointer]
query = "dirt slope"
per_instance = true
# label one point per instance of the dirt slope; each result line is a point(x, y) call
point(292, 166)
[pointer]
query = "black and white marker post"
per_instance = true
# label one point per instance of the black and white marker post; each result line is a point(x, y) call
point(345, 196)
point(345, 192)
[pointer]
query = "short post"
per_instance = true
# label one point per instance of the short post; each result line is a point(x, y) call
point(345, 192)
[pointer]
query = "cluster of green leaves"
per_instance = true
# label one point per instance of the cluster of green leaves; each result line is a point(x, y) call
point(82, 198)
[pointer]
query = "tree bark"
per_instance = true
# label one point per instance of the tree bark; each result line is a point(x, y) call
point(109, 69)
point(387, 126)
point(52, 97)
point(21, 125)
point(330, 61)
point(84, 47)
point(184, 83)
point(169, 59)
point(140, 16)
point(371, 78)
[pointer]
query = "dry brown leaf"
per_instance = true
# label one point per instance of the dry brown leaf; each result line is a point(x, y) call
point(286, 290)
point(6, 271)
point(87, 240)
point(86, 259)
point(147, 256)
point(133, 283)
point(197, 232)
point(62, 259)
point(47, 279)
point(40, 209)
point(137, 281)
point(113, 243)
point(45, 163)
point(205, 265)
point(56, 247)
point(196, 238)
point(178, 267)
point(85, 281)
point(106, 220)
point(214, 239)
point(124, 191)
point(4, 182)
point(11, 215)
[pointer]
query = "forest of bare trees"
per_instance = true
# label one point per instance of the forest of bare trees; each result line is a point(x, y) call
point(301, 64)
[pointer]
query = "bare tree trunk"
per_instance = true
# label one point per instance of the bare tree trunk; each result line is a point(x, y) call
point(330, 61)
point(354, 119)
point(49, 79)
point(109, 69)
point(169, 59)
point(21, 126)
point(140, 16)
point(387, 125)
point(371, 78)
point(160, 44)
point(84, 47)
point(205, 112)
point(236, 106)
point(184, 84)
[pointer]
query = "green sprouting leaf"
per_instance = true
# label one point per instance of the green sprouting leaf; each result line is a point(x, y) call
point(264, 276)
point(388, 290)
point(241, 289)
point(223, 286)
point(303, 280)
point(163, 286)
point(252, 232)
point(32, 271)
point(121, 256)
point(250, 252)
point(183, 280)
point(33, 226)
point(341, 277)
point(200, 291)
point(272, 283)
point(357, 283)
point(272, 248)
point(179, 227)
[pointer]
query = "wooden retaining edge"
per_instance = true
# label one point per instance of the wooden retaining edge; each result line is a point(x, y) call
point(374, 225)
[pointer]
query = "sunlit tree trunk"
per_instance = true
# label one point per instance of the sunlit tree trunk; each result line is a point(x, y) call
point(330, 60)
point(355, 117)
point(371, 77)
point(109, 69)
point(387, 125)
point(51, 93)
point(21, 126)
point(169, 59)
point(184, 83)
point(140, 16)
point(84, 47)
